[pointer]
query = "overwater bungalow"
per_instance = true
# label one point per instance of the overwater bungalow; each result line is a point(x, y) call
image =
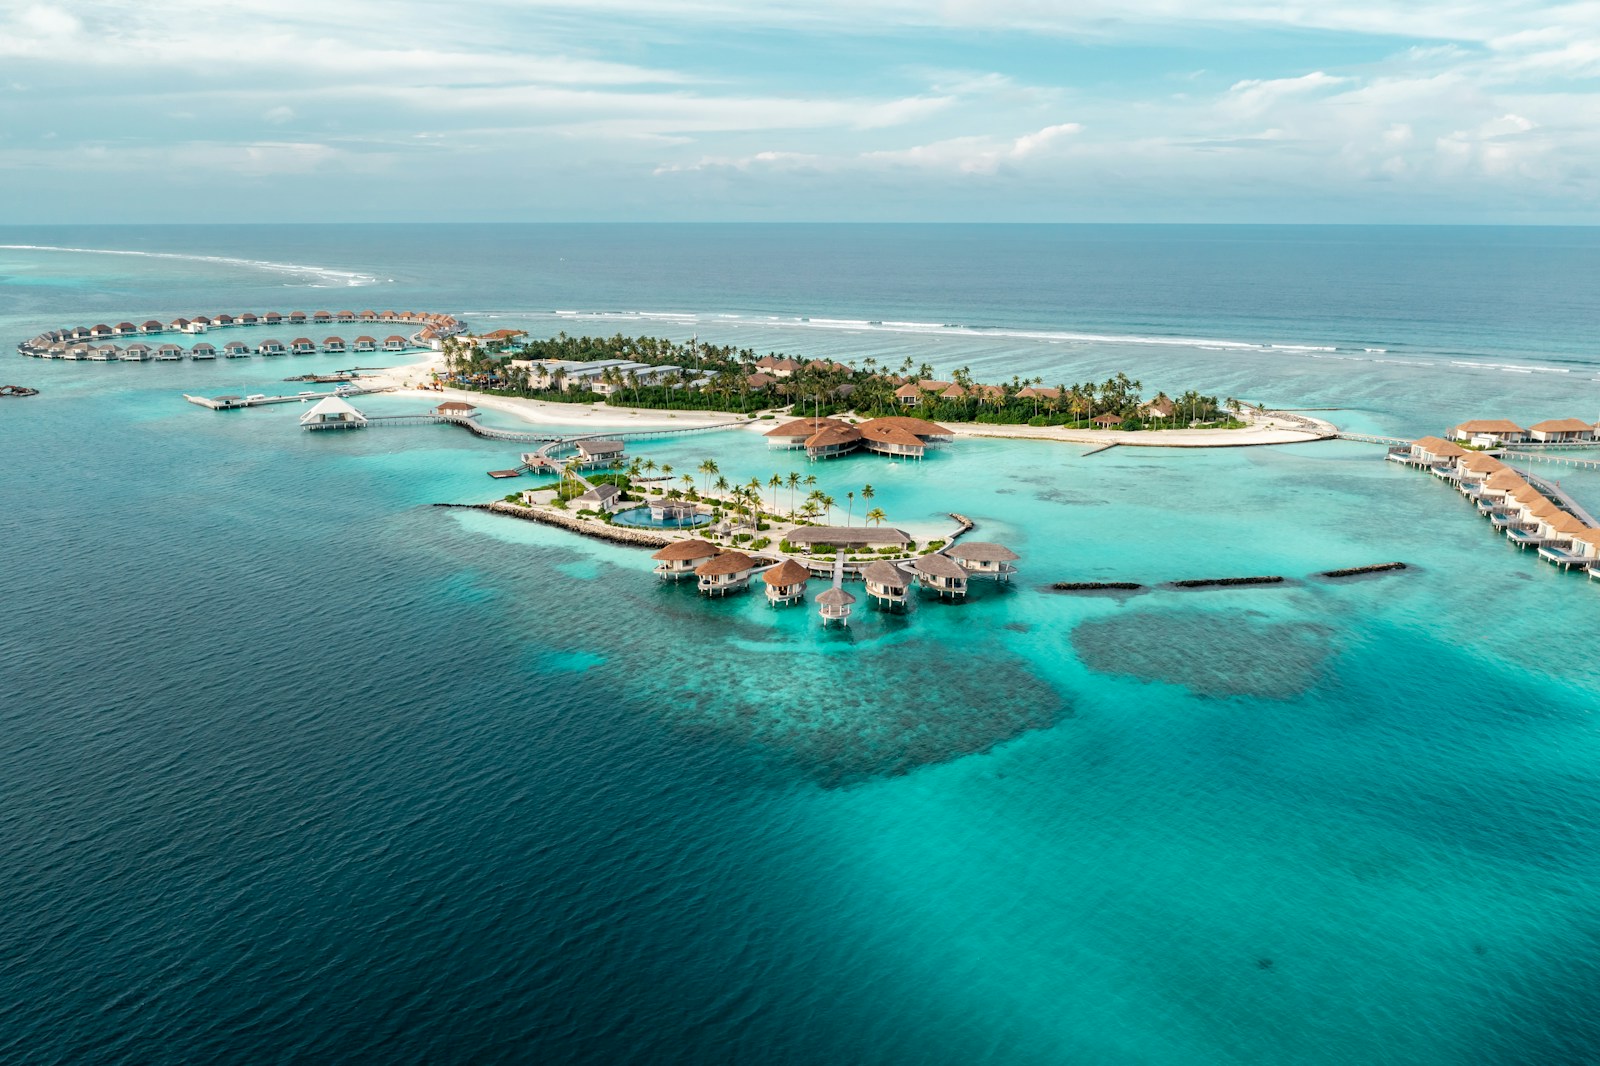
point(236, 350)
point(386, 316)
point(103, 353)
point(833, 440)
point(681, 558)
point(152, 326)
point(1429, 452)
point(364, 344)
point(834, 605)
point(984, 559)
point(344, 316)
point(886, 582)
point(941, 574)
point(786, 582)
point(814, 538)
point(203, 350)
point(199, 324)
point(179, 325)
point(333, 344)
point(272, 318)
point(248, 319)
point(597, 453)
point(333, 412)
point(395, 343)
point(138, 352)
point(100, 332)
point(116, 352)
point(297, 318)
point(604, 497)
point(125, 329)
point(321, 318)
point(271, 346)
point(1489, 432)
point(368, 316)
point(1475, 469)
point(223, 320)
point(900, 436)
point(728, 572)
point(76, 352)
point(302, 346)
point(79, 333)
point(1561, 431)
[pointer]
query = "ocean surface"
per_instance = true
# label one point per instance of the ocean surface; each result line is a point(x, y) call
point(295, 766)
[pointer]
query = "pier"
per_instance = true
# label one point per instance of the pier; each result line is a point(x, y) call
point(232, 402)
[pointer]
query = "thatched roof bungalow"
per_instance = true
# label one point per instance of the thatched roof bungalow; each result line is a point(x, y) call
point(984, 558)
point(1489, 432)
point(941, 574)
point(682, 557)
point(885, 581)
point(813, 537)
point(727, 573)
point(834, 605)
point(1561, 430)
point(786, 582)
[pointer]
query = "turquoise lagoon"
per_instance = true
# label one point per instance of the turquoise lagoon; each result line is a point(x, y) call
point(299, 765)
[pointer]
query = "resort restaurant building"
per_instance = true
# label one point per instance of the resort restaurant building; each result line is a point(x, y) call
point(812, 538)
point(897, 436)
point(594, 453)
point(1489, 432)
point(680, 558)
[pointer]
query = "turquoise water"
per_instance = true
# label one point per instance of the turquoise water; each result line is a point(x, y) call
point(299, 765)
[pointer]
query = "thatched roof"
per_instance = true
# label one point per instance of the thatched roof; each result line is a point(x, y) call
point(835, 597)
point(919, 427)
point(600, 447)
point(787, 572)
point(1488, 425)
point(834, 436)
point(451, 407)
point(939, 566)
point(1506, 479)
point(727, 563)
point(682, 550)
point(884, 572)
point(980, 551)
point(1439, 446)
point(801, 428)
point(847, 535)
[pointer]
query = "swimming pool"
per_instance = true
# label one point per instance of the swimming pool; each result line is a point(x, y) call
point(639, 518)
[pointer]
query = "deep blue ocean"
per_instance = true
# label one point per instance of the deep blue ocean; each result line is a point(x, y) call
point(295, 766)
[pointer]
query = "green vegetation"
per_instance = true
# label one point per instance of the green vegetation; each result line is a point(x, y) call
point(723, 378)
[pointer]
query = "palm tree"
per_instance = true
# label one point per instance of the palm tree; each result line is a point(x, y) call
point(775, 482)
point(721, 484)
point(688, 481)
point(827, 502)
point(850, 513)
point(666, 470)
point(708, 467)
point(649, 466)
point(876, 515)
point(867, 494)
point(793, 481)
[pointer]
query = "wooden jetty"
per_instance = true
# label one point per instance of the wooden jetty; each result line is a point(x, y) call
point(230, 402)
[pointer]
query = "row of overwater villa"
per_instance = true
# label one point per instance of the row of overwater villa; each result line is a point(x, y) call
point(96, 343)
point(945, 574)
point(896, 436)
point(1531, 516)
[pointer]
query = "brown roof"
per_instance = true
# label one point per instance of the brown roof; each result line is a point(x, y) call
point(939, 566)
point(835, 597)
point(884, 572)
point(1562, 522)
point(1439, 446)
point(919, 427)
point(726, 563)
point(847, 535)
point(759, 381)
point(907, 390)
point(1488, 425)
point(333, 340)
point(680, 550)
point(800, 428)
point(888, 434)
point(832, 436)
point(1563, 425)
point(369, 340)
point(455, 405)
point(1481, 463)
point(393, 337)
point(929, 385)
point(1506, 479)
point(1106, 420)
point(787, 572)
point(980, 551)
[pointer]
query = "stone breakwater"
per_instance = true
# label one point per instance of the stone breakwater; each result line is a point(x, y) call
point(637, 538)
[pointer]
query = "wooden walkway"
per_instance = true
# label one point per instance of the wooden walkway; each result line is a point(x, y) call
point(1562, 498)
point(1561, 460)
point(1367, 438)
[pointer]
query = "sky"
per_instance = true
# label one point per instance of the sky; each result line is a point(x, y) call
point(1347, 111)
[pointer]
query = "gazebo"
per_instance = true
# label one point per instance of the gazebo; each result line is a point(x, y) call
point(834, 605)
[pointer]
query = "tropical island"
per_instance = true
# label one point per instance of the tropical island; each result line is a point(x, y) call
point(653, 373)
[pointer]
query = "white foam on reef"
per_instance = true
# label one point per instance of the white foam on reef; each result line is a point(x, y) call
point(322, 277)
